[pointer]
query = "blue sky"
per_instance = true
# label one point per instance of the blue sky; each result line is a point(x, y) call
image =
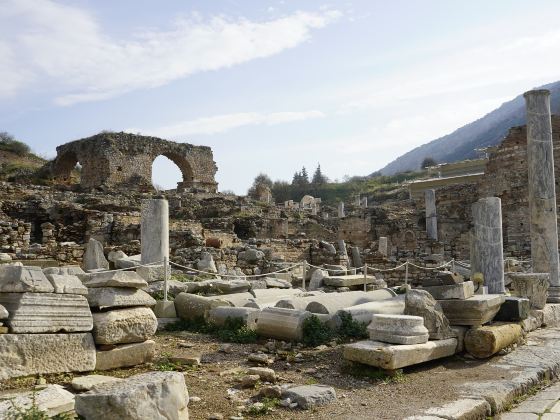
point(269, 85)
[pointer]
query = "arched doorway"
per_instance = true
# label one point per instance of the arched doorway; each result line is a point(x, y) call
point(67, 169)
point(169, 170)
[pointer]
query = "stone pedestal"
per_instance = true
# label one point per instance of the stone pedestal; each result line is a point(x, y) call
point(154, 231)
point(398, 329)
point(431, 215)
point(542, 192)
point(533, 286)
point(487, 247)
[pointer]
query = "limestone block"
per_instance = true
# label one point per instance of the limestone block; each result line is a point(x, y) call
point(443, 278)
point(129, 262)
point(93, 257)
point(454, 291)
point(459, 332)
point(513, 309)
point(483, 342)
point(115, 279)
point(224, 286)
point(219, 315)
point(121, 326)
point(152, 395)
point(154, 231)
point(476, 310)
point(331, 303)
point(3, 312)
point(265, 374)
point(67, 270)
point(189, 306)
point(125, 355)
point(364, 312)
point(390, 357)
point(206, 263)
point(260, 296)
point(46, 312)
point(36, 354)
point(165, 309)
point(317, 279)
point(19, 279)
point(310, 396)
point(118, 297)
point(282, 324)
point(114, 256)
point(349, 281)
point(551, 315)
point(86, 383)
point(151, 273)
point(52, 400)
point(398, 329)
point(65, 283)
point(279, 283)
point(533, 286)
point(421, 303)
point(174, 287)
point(463, 409)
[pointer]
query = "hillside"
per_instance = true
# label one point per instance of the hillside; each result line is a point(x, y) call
point(460, 144)
point(17, 161)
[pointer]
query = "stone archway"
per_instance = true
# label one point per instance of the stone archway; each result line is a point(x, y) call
point(64, 165)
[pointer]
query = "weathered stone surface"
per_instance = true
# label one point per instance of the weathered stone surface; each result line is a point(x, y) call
point(174, 287)
point(189, 306)
point(115, 279)
point(533, 286)
point(152, 273)
point(219, 315)
point(165, 309)
point(114, 256)
point(364, 312)
point(154, 231)
point(463, 409)
point(125, 355)
point(398, 329)
point(121, 326)
point(86, 383)
point(383, 247)
point(356, 257)
point(52, 400)
point(206, 263)
point(65, 283)
point(391, 357)
point(33, 354)
point(279, 283)
point(265, 374)
point(94, 258)
point(483, 342)
point(477, 310)
point(421, 303)
point(331, 303)
point(454, 291)
point(551, 315)
point(20, 279)
point(317, 279)
point(443, 278)
point(513, 309)
point(309, 396)
point(3, 312)
point(118, 297)
point(431, 214)
point(223, 286)
point(67, 270)
point(129, 262)
point(349, 281)
point(280, 323)
point(487, 248)
point(541, 185)
point(46, 312)
point(151, 395)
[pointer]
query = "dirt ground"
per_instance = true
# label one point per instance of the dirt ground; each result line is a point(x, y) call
point(363, 392)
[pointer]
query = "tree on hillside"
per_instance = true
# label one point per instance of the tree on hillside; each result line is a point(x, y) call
point(427, 162)
point(318, 177)
point(304, 176)
point(301, 179)
point(260, 180)
point(8, 143)
point(281, 191)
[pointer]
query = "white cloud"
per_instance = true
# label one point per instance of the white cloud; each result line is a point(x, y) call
point(226, 122)
point(66, 45)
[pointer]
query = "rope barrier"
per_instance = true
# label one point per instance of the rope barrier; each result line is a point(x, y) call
point(130, 268)
point(233, 275)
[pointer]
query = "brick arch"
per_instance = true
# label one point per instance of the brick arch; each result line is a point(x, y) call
point(63, 166)
point(182, 163)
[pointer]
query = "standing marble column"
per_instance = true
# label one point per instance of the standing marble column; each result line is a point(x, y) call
point(488, 246)
point(154, 231)
point(542, 192)
point(341, 209)
point(383, 246)
point(431, 214)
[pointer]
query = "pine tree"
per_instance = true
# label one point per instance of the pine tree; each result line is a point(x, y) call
point(304, 176)
point(318, 177)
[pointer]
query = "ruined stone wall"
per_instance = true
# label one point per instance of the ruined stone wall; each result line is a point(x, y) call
point(123, 160)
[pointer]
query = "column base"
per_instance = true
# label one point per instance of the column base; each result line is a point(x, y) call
point(553, 294)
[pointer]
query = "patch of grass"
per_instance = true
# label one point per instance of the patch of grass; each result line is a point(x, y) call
point(159, 295)
point(374, 374)
point(165, 365)
point(233, 331)
point(267, 405)
point(316, 332)
point(33, 412)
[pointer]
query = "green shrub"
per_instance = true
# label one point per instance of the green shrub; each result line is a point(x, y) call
point(9, 144)
point(233, 331)
point(315, 332)
point(350, 328)
point(268, 405)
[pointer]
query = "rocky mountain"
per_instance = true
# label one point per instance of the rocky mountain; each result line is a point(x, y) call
point(461, 144)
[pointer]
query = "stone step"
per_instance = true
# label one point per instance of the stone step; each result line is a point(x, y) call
point(390, 356)
point(46, 312)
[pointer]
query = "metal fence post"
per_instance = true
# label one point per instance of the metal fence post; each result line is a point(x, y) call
point(304, 274)
point(365, 276)
point(166, 277)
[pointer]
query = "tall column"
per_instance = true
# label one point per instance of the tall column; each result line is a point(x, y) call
point(341, 209)
point(488, 245)
point(383, 246)
point(431, 214)
point(542, 192)
point(154, 230)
